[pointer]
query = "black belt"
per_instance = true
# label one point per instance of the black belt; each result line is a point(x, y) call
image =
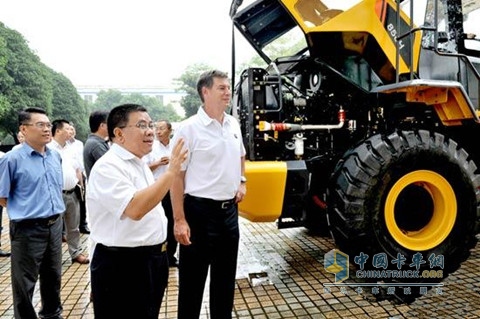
point(47, 221)
point(69, 191)
point(142, 249)
point(222, 204)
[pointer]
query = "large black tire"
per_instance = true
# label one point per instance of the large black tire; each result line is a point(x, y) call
point(408, 193)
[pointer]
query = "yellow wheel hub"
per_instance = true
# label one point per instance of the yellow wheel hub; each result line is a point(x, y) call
point(443, 216)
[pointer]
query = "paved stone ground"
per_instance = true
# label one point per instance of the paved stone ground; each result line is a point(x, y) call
point(280, 275)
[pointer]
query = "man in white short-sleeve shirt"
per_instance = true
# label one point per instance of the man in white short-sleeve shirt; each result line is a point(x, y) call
point(205, 201)
point(129, 267)
point(157, 160)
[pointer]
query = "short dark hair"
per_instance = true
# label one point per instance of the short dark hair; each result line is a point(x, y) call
point(119, 115)
point(58, 125)
point(206, 80)
point(167, 122)
point(26, 115)
point(96, 119)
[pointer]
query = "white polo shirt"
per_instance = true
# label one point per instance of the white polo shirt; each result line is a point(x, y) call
point(69, 164)
point(158, 151)
point(77, 147)
point(114, 180)
point(213, 166)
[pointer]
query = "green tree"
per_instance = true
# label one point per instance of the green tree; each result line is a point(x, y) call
point(155, 107)
point(5, 79)
point(285, 46)
point(26, 82)
point(106, 100)
point(188, 83)
point(67, 104)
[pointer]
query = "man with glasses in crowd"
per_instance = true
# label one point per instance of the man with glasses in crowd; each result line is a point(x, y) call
point(72, 176)
point(158, 160)
point(31, 189)
point(129, 268)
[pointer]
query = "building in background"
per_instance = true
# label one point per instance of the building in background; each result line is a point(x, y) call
point(166, 95)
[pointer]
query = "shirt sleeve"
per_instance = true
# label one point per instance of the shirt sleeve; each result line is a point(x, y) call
point(110, 188)
point(4, 177)
point(181, 133)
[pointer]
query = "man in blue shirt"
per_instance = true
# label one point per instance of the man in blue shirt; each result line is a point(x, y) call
point(31, 189)
point(2, 253)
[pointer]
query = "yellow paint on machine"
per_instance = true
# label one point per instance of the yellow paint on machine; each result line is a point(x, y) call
point(265, 191)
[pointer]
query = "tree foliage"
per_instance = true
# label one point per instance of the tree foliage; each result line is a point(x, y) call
point(67, 104)
point(188, 84)
point(106, 100)
point(26, 82)
point(284, 46)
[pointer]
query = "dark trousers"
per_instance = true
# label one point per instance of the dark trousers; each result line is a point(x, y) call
point(128, 282)
point(215, 239)
point(171, 241)
point(81, 200)
point(36, 254)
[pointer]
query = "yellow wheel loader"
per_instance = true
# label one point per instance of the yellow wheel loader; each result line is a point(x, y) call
point(366, 127)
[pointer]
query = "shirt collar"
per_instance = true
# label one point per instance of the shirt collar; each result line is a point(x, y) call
point(30, 151)
point(95, 136)
point(123, 153)
point(207, 120)
point(56, 145)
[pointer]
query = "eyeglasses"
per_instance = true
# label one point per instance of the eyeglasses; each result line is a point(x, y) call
point(41, 125)
point(142, 125)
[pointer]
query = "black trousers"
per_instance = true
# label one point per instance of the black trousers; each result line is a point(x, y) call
point(215, 239)
point(83, 207)
point(36, 253)
point(171, 241)
point(128, 282)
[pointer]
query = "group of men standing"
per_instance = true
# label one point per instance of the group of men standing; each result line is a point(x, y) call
point(134, 225)
point(64, 142)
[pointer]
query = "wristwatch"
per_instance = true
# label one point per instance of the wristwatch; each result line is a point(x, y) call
point(243, 179)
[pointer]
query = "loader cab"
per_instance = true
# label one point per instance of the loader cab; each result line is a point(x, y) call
point(451, 48)
point(470, 41)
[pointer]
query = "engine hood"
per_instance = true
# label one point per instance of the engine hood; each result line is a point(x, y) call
point(261, 23)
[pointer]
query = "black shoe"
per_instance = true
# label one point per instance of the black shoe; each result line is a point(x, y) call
point(81, 259)
point(4, 253)
point(85, 230)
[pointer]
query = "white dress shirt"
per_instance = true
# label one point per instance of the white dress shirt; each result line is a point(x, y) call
point(69, 164)
point(158, 151)
point(77, 149)
point(114, 180)
point(213, 166)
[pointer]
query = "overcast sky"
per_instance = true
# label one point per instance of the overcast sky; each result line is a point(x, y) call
point(125, 42)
